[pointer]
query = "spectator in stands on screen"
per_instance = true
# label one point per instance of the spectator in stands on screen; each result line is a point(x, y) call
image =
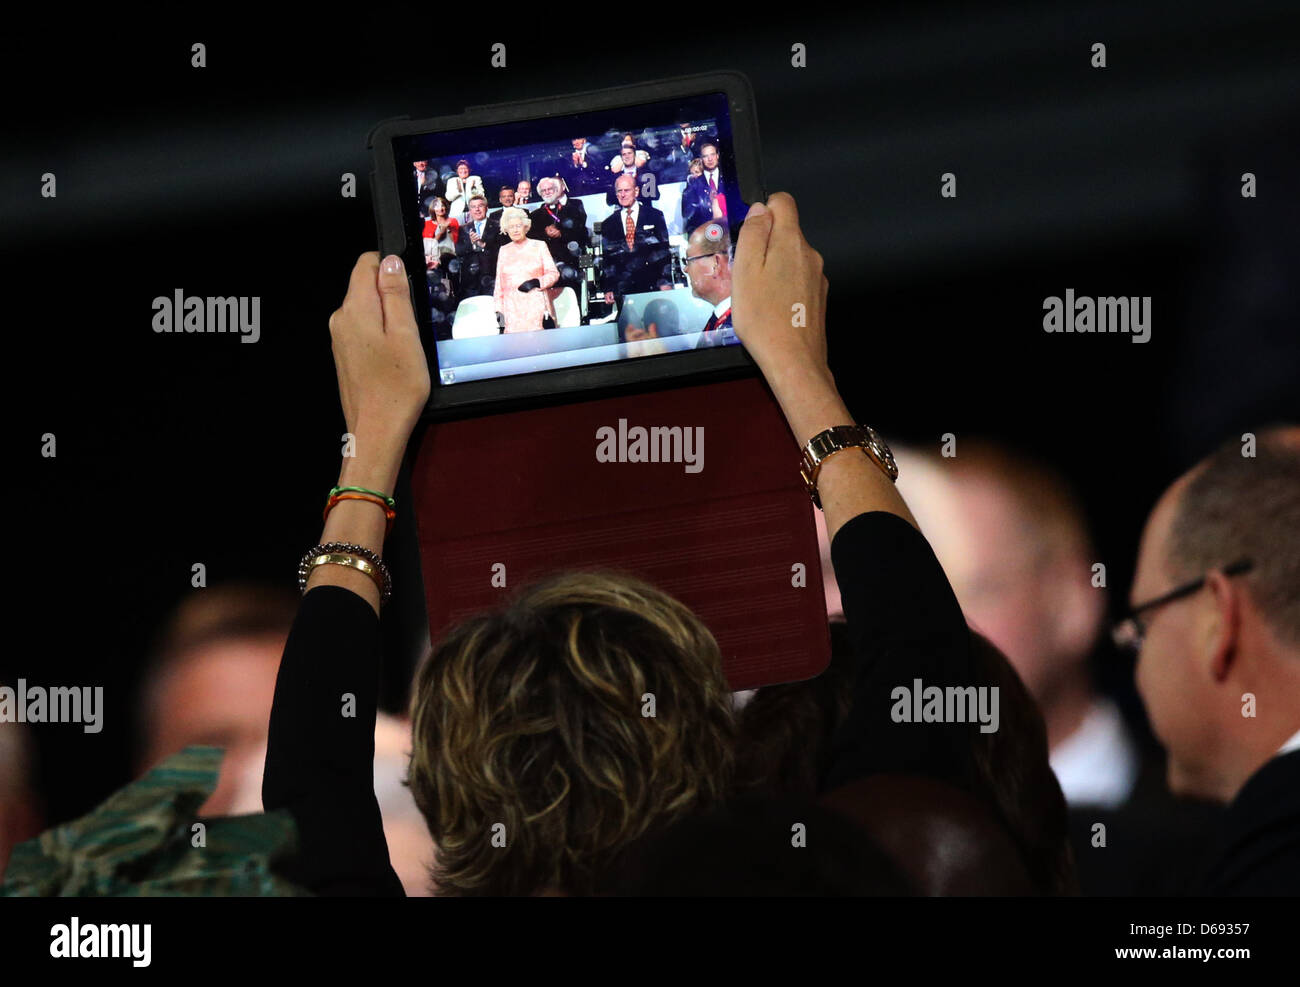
point(673, 164)
point(630, 326)
point(707, 264)
point(506, 198)
point(580, 170)
point(524, 193)
point(634, 163)
point(462, 187)
point(709, 201)
point(440, 235)
point(426, 181)
point(525, 276)
point(629, 157)
point(661, 319)
point(441, 232)
point(636, 254)
point(561, 223)
point(476, 249)
point(658, 320)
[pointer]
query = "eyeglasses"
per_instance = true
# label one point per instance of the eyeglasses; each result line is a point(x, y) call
point(686, 261)
point(1129, 631)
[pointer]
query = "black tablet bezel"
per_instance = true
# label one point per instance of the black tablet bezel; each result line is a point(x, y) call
point(474, 398)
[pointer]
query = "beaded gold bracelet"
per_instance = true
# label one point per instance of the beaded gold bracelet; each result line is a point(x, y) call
point(354, 556)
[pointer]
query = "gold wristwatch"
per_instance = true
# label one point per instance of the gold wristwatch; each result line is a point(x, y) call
point(825, 444)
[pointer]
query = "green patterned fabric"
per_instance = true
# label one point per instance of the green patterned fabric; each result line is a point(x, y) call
point(142, 841)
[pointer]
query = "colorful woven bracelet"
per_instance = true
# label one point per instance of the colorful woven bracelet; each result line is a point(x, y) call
point(374, 493)
point(389, 513)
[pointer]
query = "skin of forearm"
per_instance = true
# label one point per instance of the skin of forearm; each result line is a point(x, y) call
point(360, 522)
point(849, 482)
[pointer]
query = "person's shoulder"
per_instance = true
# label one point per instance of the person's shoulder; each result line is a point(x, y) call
point(1272, 791)
point(1258, 850)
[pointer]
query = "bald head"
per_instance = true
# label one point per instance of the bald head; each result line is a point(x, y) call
point(1219, 667)
point(710, 237)
point(625, 191)
point(710, 276)
point(1242, 502)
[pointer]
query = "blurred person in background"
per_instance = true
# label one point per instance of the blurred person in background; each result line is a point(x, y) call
point(211, 681)
point(20, 806)
point(1014, 542)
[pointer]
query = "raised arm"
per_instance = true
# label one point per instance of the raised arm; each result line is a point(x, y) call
point(320, 751)
point(903, 618)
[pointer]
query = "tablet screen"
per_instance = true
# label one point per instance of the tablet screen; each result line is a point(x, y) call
point(575, 239)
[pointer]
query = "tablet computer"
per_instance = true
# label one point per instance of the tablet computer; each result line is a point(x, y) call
point(564, 247)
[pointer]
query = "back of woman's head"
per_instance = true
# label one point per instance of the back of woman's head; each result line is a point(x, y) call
point(787, 734)
point(550, 735)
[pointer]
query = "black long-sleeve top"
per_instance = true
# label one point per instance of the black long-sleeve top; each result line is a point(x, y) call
point(903, 619)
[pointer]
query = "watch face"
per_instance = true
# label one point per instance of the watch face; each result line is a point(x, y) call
point(882, 450)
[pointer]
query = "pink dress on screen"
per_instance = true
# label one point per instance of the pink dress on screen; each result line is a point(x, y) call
point(517, 263)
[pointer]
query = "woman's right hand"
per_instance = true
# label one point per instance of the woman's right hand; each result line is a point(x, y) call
point(779, 312)
point(779, 289)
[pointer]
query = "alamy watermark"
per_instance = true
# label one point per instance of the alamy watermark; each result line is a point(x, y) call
point(657, 444)
point(953, 704)
point(57, 704)
point(102, 941)
point(1106, 314)
point(234, 314)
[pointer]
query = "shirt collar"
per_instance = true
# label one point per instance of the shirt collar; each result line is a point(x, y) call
point(722, 307)
point(1291, 745)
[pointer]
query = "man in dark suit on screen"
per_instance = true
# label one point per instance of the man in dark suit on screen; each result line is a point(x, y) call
point(1216, 624)
point(476, 250)
point(561, 223)
point(713, 195)
point(636, 254)
point(581, 168)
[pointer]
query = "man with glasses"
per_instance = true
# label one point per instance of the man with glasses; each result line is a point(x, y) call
point(707, 263)
point(1216, 626)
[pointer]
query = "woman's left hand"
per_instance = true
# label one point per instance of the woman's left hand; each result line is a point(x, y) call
point(383, 373)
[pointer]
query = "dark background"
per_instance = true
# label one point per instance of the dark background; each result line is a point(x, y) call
point(176, 449)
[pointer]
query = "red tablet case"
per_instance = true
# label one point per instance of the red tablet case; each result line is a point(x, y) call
point(526, 490)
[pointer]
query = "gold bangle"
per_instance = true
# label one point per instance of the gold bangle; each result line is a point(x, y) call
point(352, 562)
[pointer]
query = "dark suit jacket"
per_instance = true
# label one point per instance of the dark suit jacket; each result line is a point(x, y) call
point(573, 227)
point(696, 210)
point(478, 268)
point(434, 186)
point(648, 262)
point(1258, 850)
point(719, 334)
point(582, 181)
